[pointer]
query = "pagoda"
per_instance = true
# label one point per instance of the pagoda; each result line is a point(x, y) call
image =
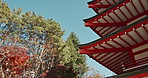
point(123, 28)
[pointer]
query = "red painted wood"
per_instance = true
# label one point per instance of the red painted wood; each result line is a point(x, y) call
point(139, 35)
point(113, 61)
point(94, 29)
point(142, 5)
point(142, 60)
point(123, 14)
point(131, 54)
point(108, 2)
point(126, 61)
point(145, 29)
point(97, 55)
point(98, 6)
point(139, 44)
point(113, 1)
point(116, 60)
point(109, 57)
point(137, 16)
point(106, 30)
point(104, 24)
point(124, 41)
point(118, 16)
point(117, 43)
point(118, 34)
point(141, 51)
point(105, 65)
point(111, 18)
point(102, 46)
point(110, 45)
point(134, 7)
point(102, 57)
point(109, 11)
point(112, 30)
point(137, 66)
point(96, 10)
point(84, 51)
point(143, 75)
point(132, 38)
point(105, 20)
point(129, 11)
point(116, 55)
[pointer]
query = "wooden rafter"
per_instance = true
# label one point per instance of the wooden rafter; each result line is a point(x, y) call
point(84, 51)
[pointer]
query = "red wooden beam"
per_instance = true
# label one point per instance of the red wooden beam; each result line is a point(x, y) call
point(106, 58)
point(117, 43)
point(108, 2)
point(137, 16)
point(98, 6)
point(118, 16)
point(110, 45)
point(124, 41)
point(119, 34)
point(131, 54)
point(139, 35)
point(135, 7)
point(129, 10)
point(104, 24)
point(117, 60)
point(106, 30)
point(142, 60)
point(139, 44)
point(113, 9)
point(143, 75)
point(137, 66)
point(98, 59)
point(111, 18)
point(111, 58)
point(123, 13)
point(142, 5)
point(94, 29)
point(111, 30)
point(141, 51)
point(96, 10)
point(105, 65)
point(126, 61)
point(84, 51)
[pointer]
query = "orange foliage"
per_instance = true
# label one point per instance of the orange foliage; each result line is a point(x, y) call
point(14, 59)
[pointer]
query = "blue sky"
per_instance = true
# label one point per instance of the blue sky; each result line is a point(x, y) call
point(70, 15)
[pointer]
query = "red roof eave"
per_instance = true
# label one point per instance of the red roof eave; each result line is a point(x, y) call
point(84, 51)
point(113, 36)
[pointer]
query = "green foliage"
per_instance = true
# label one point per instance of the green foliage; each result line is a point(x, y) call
point(72, 59)
point(42, 38)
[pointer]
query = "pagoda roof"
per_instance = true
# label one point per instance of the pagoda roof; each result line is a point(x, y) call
point(117, 16)
point(100, 5)
point(123, 50)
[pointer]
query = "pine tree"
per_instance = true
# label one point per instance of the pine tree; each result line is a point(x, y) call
point(72, 58)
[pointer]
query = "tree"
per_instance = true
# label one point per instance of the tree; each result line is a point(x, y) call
point(13, 61)
point(40, 36)
point(42, 39)
point(72, 59)
point(92, 73)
